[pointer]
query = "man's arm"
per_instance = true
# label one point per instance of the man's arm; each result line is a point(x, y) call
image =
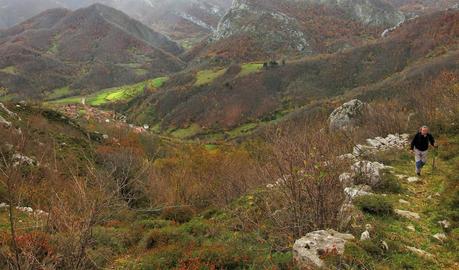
point(432, 140)
point(412, 142)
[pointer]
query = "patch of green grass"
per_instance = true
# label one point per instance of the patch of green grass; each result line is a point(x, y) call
point(12, 70)
point(208, 75)
point(115, 94)
point(211, 147)
point(242, 130)
point(58, 93)
point(186, 132)
point(249, 68)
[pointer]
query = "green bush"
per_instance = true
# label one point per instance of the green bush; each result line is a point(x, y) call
point(153, 223)
point(389, 183)
point(178, 214)
point(166, 257)
point(196, 227)
point(375, 205)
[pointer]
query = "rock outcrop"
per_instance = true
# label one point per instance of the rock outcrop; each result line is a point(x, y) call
point(307, 251)
point(347, 116)
point(272, 28)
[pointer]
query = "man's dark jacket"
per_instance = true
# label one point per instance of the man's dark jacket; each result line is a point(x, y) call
point(421, 142)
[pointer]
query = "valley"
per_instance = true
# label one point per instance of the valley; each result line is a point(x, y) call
point(228, 134)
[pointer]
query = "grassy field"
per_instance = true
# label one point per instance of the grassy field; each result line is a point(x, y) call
point(58, 93)
point(184, 133)
point(250, 68)
point(208, 75)
point(9, 70)
point(110, 95)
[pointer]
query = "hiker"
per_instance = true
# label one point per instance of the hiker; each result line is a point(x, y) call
point(420, 146)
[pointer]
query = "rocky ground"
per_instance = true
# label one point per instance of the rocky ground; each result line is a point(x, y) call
point(418, 230)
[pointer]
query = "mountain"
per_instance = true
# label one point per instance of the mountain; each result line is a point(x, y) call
point(87, 49)
point(419, 7)
point(418, 49)
point(253, 29)
point(185, 20)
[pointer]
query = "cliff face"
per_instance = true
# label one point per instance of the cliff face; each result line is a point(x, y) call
point(273, 28)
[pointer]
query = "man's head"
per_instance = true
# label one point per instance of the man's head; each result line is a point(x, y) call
point(424, 130)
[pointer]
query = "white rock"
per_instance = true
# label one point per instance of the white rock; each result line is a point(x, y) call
point(346, 179)
point(365, 235)
point(19, 159)
point(5, 123)
point(411, 228)
point(407, 214)
point(308, 249)
point(384, 245)
point(413, 179)
point(357, 191)
point(404, 202)
point(445, 224)
point(440, 237)
point(3, 205)
point(420, 252)
point(369, 170)
point(347, 115)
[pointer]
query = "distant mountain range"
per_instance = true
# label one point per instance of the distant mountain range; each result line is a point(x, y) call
point(90, 48)
point(180, 19)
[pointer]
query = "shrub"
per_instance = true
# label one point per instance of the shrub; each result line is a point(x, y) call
point(153, 223)
point(375, 204)
point(162, 237)
point(178, 214)
point(389, 183)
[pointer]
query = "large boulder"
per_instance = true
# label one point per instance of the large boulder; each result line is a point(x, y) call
point(348, 115)
point(367, 172)
point(308, 250)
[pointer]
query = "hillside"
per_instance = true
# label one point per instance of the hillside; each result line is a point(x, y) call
point(255, 30)
point(418, 49)
point(84, 50)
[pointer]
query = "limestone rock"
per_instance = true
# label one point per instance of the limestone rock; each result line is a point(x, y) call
point(347, 116)
point(440, 237)
point(346, 179)
point(420, 252)
point(19, 159)
point(404, 202)
point(365, 235)
point(357, 191)
point(369, 170)
point(4, 123)
point(445, 224)
point(411, 228)
point(308, 249)
point(407, 214)
point(413, 179)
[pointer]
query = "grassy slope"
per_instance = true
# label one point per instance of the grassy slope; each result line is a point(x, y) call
point(432, 208)
point(122, 93)
point(208, 75)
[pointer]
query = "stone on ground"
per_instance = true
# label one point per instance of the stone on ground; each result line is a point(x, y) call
point(307, 251)
point(407, 214)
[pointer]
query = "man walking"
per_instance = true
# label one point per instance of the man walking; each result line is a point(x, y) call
point(420, 146)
